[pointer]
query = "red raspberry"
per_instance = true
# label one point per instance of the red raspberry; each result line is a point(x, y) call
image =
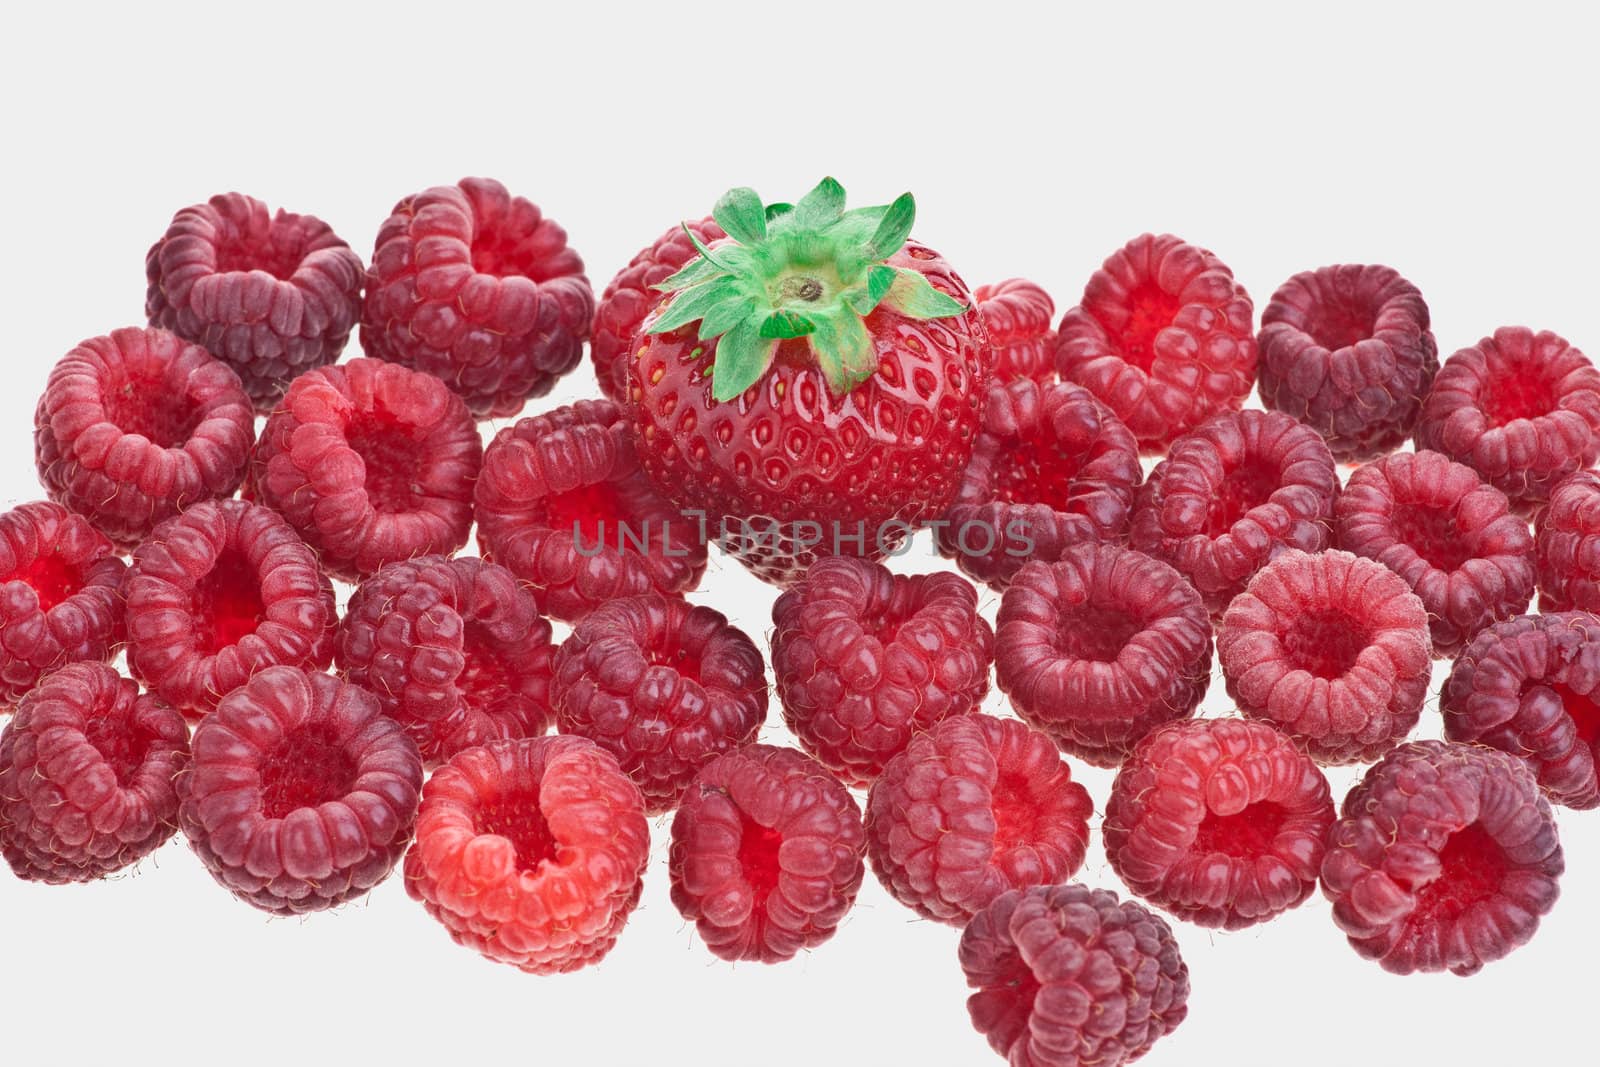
point(1347, 351)
point(86, 769)
point(662, 685)
point(60, 595)
point(1566, 548)
point(1520, 408)
point(766, 854)
point(1163, 336)
point(455, 651)
point(1333, 650)
point(632, 295)
point(1051, 468)
point(1100, 648)
point(271, 295)
point(1530, 686)
point(563, 505)
point(531, 851)
point(1219, 821)
point(1444, 857)
point(1068, 976)
point(1017, 314)
point(1450, 536)
point(300, 795)
point(865, 658)
point(970, 809)
point(371, 463)
point(136, 426)
point(218, 593)
point(476, 287)
point(1233, 494)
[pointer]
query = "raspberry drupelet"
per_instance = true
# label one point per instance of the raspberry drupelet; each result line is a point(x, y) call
point(972, 808)
point(767, 854)
point(371, 463)
point(135, 426)
point(1017, 315)
point(1099, 648)
point(1051, 468)
point(476, 287)
point(272, 295)
point(865, 658)
point(86, 776)
point(1566, 548)
point(531, 851)
point(1445, 857)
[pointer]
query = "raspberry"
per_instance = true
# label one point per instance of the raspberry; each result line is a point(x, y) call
point(865, 658)
point(1347, 351)
point(1333, 650)
point(1233, 494)
point(1450, 536)
point(1017, 314)
point(970, 809)
point(662, 685)
point(1444, 857)
point(218, 593)
point(531, 851)
point(455, 651)
point(1566, 548)
point(1068, 976)
point(271, 295)
point(1520, 408)
point(86, 769)
point(766, 854)
point(60, 595)
point(563, 505)
point(1219, 821)
point(1530, 686)
point(136, 426)
point(300, 795)
point(476, 287)
point(1098, 649)
point(1163, 336)
point(1051, 468)
point(371, 463)
point(632, 295)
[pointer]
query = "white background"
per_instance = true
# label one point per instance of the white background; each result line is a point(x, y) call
point(1458, 148)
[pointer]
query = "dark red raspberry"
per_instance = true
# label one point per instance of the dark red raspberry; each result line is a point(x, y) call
point(865, 658)
point(1444, 857)
point(1017, 314)
point(1566, 547)
point(632, 295)
point(301, 794)
point(1530, 686)
point(136, 426)
point(476, 287)
point(271, 295)
point(1520, 408)
point(766, 854)
point(371, 463)
point(218, 593)
point(663, 685)
point(1219, 821)
point(970, 809)
point(562, 503)
point(1068, 976)
point(531, 851)
point(60, 595)
point(1163, 336)
point(1333, 650)
point(1100, 648)
point(454, 649)
point(1233, 494)
point(86, 770)
point(1450, 536)
point(1051, 468)
point(1347, 351)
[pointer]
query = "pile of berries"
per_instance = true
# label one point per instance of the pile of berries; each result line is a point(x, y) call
point(817, 387)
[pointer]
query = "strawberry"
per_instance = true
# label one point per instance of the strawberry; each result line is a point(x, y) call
point(828, 400)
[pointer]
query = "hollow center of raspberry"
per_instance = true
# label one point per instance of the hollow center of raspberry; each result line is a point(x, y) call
point(1335, 324)
point(120, 743)
point(307, 768)
point(1584, 712)
point(517, 818)
point(1326, 643)
point(485, 679)
point(1151, 309)
point(1036, 472)
point(1245, 488)
point(1087, 632)
point(506, 254)
point(1245, 834)
point(1016, 812)
point(51, 578)
point(674, 655)
point(227, 603)
point(152, 410)
point(595, 514)
point(279, 254)
point(1432, 533)
point(1472, 866)
point(1517, 396)
point(758, 857)
point(392, 458)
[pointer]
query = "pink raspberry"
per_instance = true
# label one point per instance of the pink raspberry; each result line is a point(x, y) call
point(1017, 315)
point(1567, 545)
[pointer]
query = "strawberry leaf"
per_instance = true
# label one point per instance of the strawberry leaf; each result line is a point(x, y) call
point(912, 295)
point(844, 351)
point(893, 228)
point(821, 207)
point(739, 212)
point(742, 358)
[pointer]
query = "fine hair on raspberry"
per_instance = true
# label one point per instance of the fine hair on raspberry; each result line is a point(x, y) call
point(1566, 549)
point(1017, 315)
